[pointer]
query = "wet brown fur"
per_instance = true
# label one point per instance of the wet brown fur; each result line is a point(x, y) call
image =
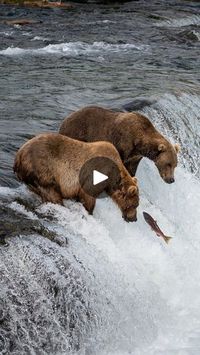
point(50, 164)
point(133, 135)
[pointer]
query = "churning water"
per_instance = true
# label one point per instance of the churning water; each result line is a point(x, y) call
point(95, 285)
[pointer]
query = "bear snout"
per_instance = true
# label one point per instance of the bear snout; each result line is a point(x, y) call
point(169, 180)
point(167, 176)
point(130, 218)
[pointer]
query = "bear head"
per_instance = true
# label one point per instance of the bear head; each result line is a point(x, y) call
point(166, 160)
point(127, 198)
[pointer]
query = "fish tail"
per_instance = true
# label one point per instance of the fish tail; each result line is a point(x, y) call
point(166, 238)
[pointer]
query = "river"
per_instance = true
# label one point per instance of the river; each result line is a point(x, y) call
point(95, 285)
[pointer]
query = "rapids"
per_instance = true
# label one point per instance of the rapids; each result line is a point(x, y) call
point(71, 283)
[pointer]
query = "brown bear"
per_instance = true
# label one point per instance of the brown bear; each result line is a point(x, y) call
point(50, 165)
point(132, 134)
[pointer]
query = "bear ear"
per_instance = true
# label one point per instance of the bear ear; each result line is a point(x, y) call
point(161, 147)
point(134, 179)
point(177, 148)
point(132, 190)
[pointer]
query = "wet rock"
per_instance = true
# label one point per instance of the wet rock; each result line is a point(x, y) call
point(158, 17)
point(190, 35)
point(138, 104)
point(48, 5)
point(37, 3)
point(21, 22)
point(15, 224)
point(116, 109)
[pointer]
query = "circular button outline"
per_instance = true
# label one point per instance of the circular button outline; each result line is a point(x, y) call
point(105, 166)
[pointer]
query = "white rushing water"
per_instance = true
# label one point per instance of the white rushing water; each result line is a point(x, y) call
point(74, 49)
point(180, 22)
point(177, 116)
point(142, 294)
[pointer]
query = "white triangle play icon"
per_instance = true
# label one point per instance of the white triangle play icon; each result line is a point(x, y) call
point(98, 177)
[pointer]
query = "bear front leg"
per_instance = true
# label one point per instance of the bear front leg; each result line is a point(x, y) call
point(132, 165)
point(87, 201)
point(51, 195)
point(47, 194)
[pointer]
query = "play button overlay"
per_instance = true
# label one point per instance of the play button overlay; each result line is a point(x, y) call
point(98, 176)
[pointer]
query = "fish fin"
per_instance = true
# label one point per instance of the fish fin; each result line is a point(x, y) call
point(166, 238)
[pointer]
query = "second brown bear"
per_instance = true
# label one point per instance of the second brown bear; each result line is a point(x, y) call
point(132, 134)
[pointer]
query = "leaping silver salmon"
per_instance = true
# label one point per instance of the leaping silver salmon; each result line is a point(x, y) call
point(153, 224)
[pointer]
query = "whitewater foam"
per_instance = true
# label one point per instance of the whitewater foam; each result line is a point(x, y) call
point(177, 117)
point(39, 38)
point(144, 287)
point(7, 33)
point(74, 49)
point(21, 209)
point(180, 22)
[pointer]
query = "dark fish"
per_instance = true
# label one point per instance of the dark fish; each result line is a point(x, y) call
point(154, 227)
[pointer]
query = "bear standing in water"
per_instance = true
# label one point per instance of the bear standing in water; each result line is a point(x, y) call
point(50, 164)
point(132, 134)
